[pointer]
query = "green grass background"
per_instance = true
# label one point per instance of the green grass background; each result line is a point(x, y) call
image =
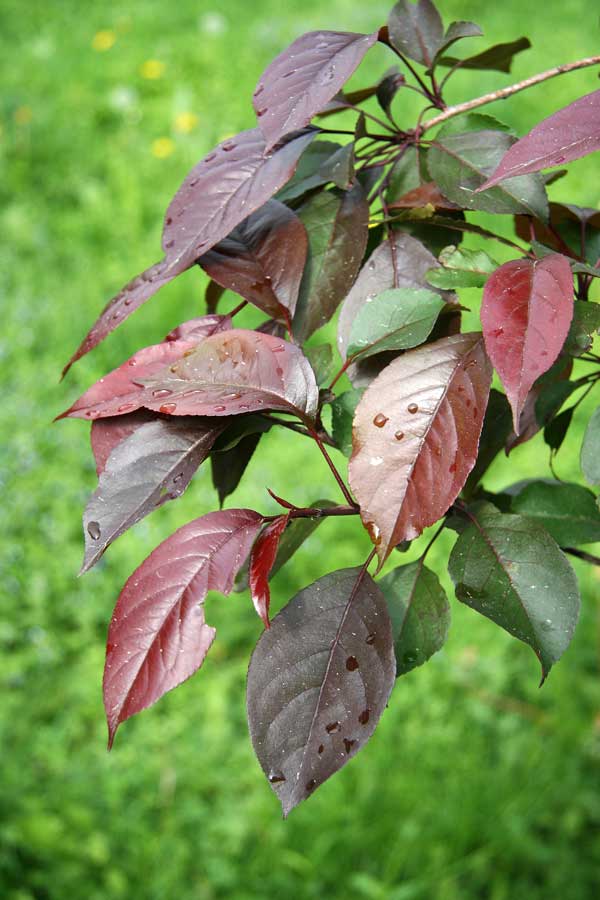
point(476, 783)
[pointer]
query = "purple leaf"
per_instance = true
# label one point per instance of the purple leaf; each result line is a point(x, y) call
point(416, 30)
point(231, 182)
point(416, 435)
point(568, 134)
point(154, 464)
point(304, 78)
point(318, 682)
point(228, 466)
point(106, 434)
point(200, 328)
point(262, 560)
point(497, 58)
point(158, 636)
point(262, 259)
point(337, 226)
point(526, 313)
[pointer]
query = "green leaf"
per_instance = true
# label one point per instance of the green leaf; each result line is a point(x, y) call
point(342, 414)
point(585, 324)
point(568, 512)
point(510, 570)
point(590, 449)
point(394, 320)
point(420, 614)
point(320, 358)
point(462, 267)
point(311, 171)
point(497, 425)
point(461, 163)
point(556, 431)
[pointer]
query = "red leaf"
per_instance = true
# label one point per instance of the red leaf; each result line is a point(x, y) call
point(235, 372)
point(566, 135)
point(526, 313)
point(229, 373)
point(200, 328)
point(304, 78)
point(231, 182)
point(106, 434)
point(158, 636)
point(415, 437)
point(262, 559)
point(262, 259)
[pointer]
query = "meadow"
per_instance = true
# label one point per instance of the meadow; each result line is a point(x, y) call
point(477, 784)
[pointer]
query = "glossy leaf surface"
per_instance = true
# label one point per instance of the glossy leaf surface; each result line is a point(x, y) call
point(509, 569)
point(526, 313)
point(106, 434)
point(304, 78)
point(158, 636)
point(566, 135)
point(262, 259)
point(151, 466)
point(394, 320)
point(222, 190)
point(318, 682)
point(461, 267)
point(416, 435)
point(460, 163)
point(568, 512)
point(416, 30)
point(420, 614)
point(262, 560)
point(337, 226)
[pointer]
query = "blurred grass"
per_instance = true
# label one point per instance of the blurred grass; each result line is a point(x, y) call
point(476, 784)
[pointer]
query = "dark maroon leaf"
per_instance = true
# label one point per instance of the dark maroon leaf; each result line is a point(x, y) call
point(303, 79)
point(427, 194)
point(151, 466)
point(106, 434)
point(526, 313)
point(416, 435)
point(387, 89)
point(457, 31)
point(566, 135)
point(212, 295)
point(158, 636)
point(337, 225)
point(416, 30)
point(497, 425)
point(197, 329)
point(119, 392)
point(229, 373)
point(262, 559)
point(229, 466)
point(231, 182)
point(311, 171)
point(262, 259)
point(573, 227)
point(318, 682)
point(497, 58)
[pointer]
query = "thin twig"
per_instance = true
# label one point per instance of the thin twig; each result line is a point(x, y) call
point(347, 495)
point(315, 512)
point(292, 426)
point(503, 93)
point(581, 554)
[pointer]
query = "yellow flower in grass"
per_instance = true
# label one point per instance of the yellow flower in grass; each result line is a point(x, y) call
point(185, 122)
point(23, 115)
point(152, 69)
point(103, 40)
point(163, 147)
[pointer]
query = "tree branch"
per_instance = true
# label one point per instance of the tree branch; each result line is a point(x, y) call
point(509, 91)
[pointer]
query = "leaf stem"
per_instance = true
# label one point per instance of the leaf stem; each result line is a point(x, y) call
point(347, 495)
point(292, 426)
point(314, 512)
point(509, 91)
point(237, 309)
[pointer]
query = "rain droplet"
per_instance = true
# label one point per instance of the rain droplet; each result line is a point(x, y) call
point(348, 744)
point(219, 408)
point(94, 530)
point(178, 477)
point(229, 145)
point(126, 407)
point(311, 785)
point(352, 663)
point(132, 362)
point(370, 639)
point(380, 420)
point(412, 408)
point(364, 716)
point(321, 748)
point(168, 408)
point(169, 244)
point(161, 392)
point(399, 435)
point(261, 112)
point(276, 777)
point(333, 726)
point(210, 157)
point(452, 468)
point(260, 88)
